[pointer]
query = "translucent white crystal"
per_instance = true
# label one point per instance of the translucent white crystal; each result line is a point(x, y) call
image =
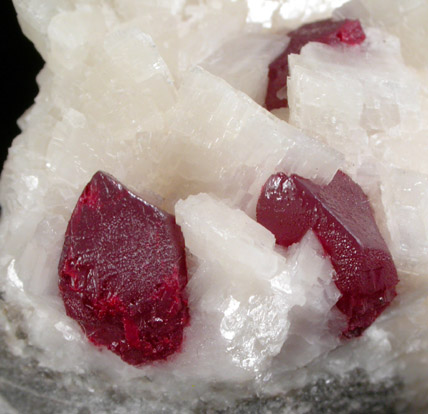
point(202, 27)
point(243, 62)
point(278, 14)
point(85, 119)
point(72, 35)
point(358, 99)
point(405, 200)
point(365, 101)
point(120, 92)
point(240, 143)
point(248, 302)
point(34, 17)
point(405, 19)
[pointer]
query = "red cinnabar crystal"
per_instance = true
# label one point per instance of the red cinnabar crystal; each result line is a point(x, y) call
point(341, 217)
point(327, 31)
point(123, 273)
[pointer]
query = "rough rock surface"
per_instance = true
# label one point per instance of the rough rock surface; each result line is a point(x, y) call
point(26, 388)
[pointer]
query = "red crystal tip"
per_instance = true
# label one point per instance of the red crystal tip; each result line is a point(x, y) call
point(328, 31)
point(123, 273)
point(341, 217)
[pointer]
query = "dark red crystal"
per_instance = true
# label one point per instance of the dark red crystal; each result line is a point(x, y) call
point(341, 217)
point(327, 31)
point(122, 273)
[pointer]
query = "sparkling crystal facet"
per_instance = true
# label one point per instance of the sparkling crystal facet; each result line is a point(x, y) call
point(341, 217)
point(123, 273)
point(326, 31)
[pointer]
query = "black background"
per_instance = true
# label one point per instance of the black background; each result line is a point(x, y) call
point(19, 63)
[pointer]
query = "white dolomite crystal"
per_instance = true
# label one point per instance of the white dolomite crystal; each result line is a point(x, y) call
point(109, 101)
point(223, 142)
point(166, 96)
point(405, 199)
point(405, 19)
point(243, 62)
point(289, 13)
point(362, 100)
point(248, 299)
point(366, 102)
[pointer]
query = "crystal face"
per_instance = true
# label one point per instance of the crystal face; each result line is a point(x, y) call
point(248, 301)
point(326, 31)
point(120, 93)
point(123, 273)
point(341, 217)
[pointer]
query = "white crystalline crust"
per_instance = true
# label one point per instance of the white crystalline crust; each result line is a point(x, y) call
point(120, 93)
point(252, 295)
point(223, 126)
point(165, 95)
point(367, 103)
point(230, 62)
point(404, 19)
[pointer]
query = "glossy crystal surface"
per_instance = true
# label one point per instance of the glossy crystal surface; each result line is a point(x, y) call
point(119, 93)
point(326, 31)
point(248, 300)
point(341, 217)
point(123, 273)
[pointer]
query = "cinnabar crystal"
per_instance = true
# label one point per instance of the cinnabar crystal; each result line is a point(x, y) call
point(341, 217)
point(327, 31)
point(123, 273)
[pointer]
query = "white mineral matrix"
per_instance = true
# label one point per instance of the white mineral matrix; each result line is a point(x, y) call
point(167, 96)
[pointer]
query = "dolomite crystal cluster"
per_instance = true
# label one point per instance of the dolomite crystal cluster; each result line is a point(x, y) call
point(157, 95)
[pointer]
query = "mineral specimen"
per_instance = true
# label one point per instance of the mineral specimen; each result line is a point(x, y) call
point(371, 106)
point(341, 217)
point(244, 59)
point(165, 96)
point(326, 31)
point(123, 273)
point(217, 123)
point(404, 20)
point(247, 300)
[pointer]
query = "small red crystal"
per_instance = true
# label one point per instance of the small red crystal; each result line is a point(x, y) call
point(341, 217)
point(123, 273)
point(327, 31)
